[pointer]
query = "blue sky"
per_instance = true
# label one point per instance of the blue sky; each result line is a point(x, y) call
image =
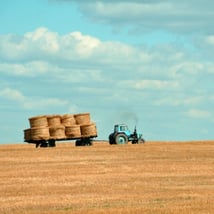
point(144, 63)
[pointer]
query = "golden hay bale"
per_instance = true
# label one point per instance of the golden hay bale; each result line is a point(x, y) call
point(38, 121)
point(88, 130)
point(27, 134)
point(68, 120)
point(83, 118)
point(73, 131)
point(40, 133)
point(57, 132)
point(54, 120)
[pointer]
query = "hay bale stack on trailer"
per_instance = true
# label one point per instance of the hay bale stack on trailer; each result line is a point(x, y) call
point(73, 131)
point(45, 130)
point(56, 129)
point(68, 120)
point(39, 129)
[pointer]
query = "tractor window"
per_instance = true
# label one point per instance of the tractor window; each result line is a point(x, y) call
point(123, 128)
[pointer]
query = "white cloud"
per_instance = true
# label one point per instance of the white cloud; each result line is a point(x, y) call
point(87, 60)
point(31, 102)
point(179, 100)
point(43, 103)
point(12, 94)
point(43, 45)
point(85, 45)
point(32, 68)
point(75, 71)
point(188, 67)
point(198, 114)
point(47, 40)
point(41, 41)
point(155, 84)
point(81, 57)
point(210, 39)
point(170, 15)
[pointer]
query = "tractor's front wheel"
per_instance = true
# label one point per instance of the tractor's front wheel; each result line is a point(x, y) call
point(141, 140)
point(121, 139)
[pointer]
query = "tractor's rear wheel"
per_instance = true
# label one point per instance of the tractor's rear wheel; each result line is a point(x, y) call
point(112, 139)
point(121, 139)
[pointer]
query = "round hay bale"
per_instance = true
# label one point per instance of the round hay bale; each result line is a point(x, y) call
point(83, 118)
point(57, 132)
point(54, 120)
point(68, 120)
point(73, 131)
point(27, 134)
point(38, 121)
point(40, 133)
point(88, 130)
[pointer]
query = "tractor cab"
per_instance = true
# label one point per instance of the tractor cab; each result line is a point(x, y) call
point(122, 135)
point(122, 128)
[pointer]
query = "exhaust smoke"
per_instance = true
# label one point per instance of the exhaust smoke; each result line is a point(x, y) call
point(129, 117)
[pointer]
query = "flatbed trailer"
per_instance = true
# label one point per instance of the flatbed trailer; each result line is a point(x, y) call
point(51, 142)
point(45, 130)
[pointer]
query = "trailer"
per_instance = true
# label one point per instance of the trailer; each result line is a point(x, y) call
point(45, 130)
point(51, 142)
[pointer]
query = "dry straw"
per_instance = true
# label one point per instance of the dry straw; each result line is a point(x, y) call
point(54, 120)
point(56, 126)
point(83, 118)
point(68, 120)
point(38, 121)
point(57, 132)
point(27, 134)
point(73, 131)
point(88, 130)
point(40, 133)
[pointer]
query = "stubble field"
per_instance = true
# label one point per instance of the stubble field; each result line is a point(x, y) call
point(155, 177)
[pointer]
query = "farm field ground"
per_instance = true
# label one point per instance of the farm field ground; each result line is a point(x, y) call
point(155, 177)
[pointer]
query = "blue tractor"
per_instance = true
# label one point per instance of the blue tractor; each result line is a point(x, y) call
point(122, 135)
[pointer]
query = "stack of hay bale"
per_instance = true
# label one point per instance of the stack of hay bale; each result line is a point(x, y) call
point(39, 129)
point(58, 127)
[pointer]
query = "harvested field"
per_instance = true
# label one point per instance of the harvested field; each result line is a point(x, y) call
point(155, 177)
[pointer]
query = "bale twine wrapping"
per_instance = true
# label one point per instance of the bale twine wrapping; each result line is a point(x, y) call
point(68, 120)
point(73, 131)
point(40, 133)
point(54, 120)
point(27, 134)
point(38, 121)
point(83, 118)
point(57, 132)
point(88, 130)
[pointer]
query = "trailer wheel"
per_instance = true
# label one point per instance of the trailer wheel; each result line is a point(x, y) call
point(84, 142)
point(89, 142)
point(52, 143)
point(121, 139)
point(44, 143)
point(78, 143)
